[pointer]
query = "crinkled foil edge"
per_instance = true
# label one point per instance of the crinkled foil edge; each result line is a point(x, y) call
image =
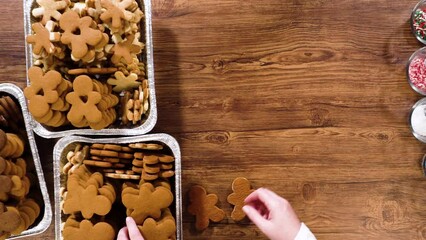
point(17, 93)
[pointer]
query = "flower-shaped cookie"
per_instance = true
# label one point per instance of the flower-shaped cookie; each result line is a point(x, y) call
point(148, 201)
point(123, 50)
point(121, 82)
point(88, 201)
point(42, 90)
point(86, 230)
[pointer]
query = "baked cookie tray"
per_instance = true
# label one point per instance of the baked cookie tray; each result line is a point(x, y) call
point(64, 145)
point(45, 218)
point(146, 57)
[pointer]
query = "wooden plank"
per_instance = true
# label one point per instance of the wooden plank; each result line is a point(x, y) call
point(306, 97)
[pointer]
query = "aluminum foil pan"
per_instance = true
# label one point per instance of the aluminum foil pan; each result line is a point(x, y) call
point(45, 221)
point(68, 143)
point(147, 57)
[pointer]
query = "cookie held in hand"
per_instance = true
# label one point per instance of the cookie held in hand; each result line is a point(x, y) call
point(204, 207)
point(242, 188)
point(147, 201)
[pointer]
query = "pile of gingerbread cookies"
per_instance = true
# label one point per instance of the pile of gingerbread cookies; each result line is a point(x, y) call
point(135, 177)
point(87, 71)
point(18, 211)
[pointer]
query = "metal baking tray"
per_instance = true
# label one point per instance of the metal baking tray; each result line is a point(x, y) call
point(146, 56)
point(65, 144)
point(46, 210)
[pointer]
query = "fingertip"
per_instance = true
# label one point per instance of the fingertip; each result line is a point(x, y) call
point(246, 209)
point(129, 220)
point(123, 234)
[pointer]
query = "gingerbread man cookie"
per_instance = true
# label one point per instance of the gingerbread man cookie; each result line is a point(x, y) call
point(83, 102)
point(115, 13)
point(49, 9)
point(203, 207)
point(42, 39)
point(71, 22)
point(242, 188)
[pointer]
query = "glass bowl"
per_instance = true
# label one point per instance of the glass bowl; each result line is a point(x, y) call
point(418, 21)
point(416, 71)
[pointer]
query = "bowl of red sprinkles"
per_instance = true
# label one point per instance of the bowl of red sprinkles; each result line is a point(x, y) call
point(416, 71)
point(418, 21)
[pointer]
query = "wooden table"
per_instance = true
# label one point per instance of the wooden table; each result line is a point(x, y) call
point(308, 98)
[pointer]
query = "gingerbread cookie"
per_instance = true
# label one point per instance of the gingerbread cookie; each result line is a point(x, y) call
point(42, 39)
point(124, 51)
point(70, 22)
point(163, 229)
point(42, 90)
point(83, 102)
point(9, 220)
point(148, 201)
point(88, 201)
point(203, 207)
point(121, 82)
point(85, 229)
point(241, 189)
point(49, 9)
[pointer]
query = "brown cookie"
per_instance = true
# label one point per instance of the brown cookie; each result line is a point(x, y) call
point(88, 201)
point(9, 220)
point(88, 230)
point(146, 146)
point(49, 9)
point(148, 202)
point(163, 229)
point(203, 207)
point(124, 176)
point(241, 189)
point(71, 23)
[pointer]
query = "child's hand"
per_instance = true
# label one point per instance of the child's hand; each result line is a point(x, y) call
point(130, 232)
point(272, 214)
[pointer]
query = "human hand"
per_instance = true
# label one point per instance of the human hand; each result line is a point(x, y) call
point(272, 214)
point(130, 232)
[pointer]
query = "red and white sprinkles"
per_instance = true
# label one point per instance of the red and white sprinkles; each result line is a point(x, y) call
point(417, 73)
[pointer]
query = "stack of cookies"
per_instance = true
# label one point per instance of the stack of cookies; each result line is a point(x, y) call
point(18, 211)
point(96, 173)
point(94, 40)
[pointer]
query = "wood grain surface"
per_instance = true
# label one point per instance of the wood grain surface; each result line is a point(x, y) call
point(306, 97)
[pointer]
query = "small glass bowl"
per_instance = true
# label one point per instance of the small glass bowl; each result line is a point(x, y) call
point(418, 57)
point(419, 13)
point(417, 120)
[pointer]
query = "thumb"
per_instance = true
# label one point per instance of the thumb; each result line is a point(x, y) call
point(256, 218)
